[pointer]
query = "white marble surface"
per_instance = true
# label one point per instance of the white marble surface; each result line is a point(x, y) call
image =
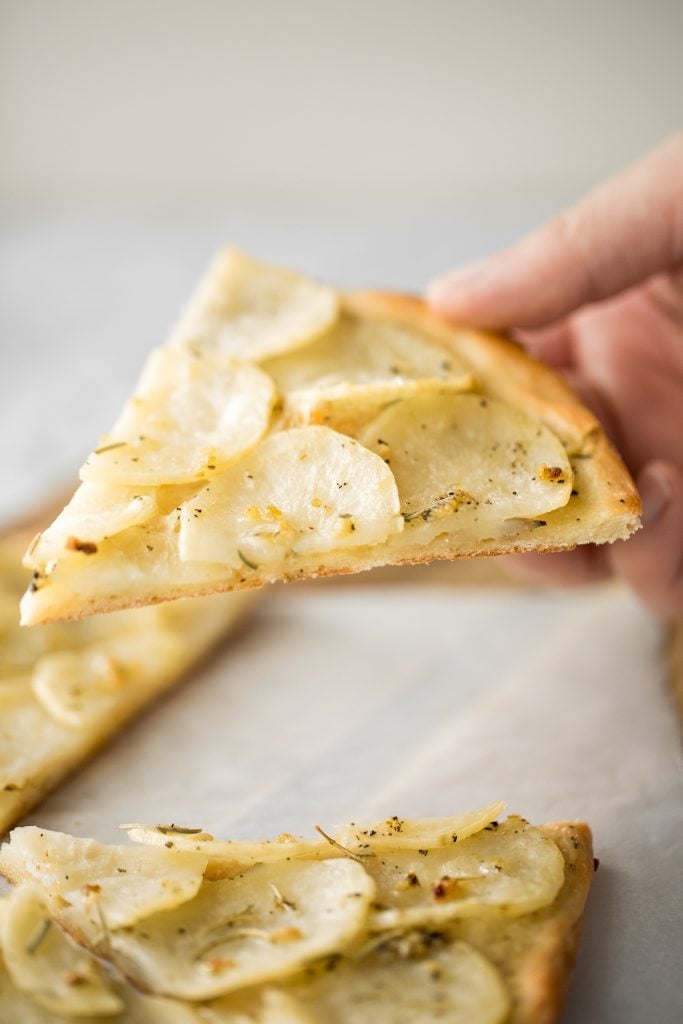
point(338, 701)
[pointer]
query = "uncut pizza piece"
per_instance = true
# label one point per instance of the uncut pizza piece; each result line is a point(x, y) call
point(295, 938)
point(288, 430)
point(65, 689)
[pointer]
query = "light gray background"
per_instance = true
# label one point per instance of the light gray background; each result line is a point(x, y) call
point(365, 99)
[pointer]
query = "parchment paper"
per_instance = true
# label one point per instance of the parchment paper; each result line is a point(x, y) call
point(341, 702)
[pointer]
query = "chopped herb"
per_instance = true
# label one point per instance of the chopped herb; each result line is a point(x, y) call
point(280, 901)
point(110, 447)
point(39, 936)
point(338, 846)
point(446, 503)
point(243, 558)
point(177, 830)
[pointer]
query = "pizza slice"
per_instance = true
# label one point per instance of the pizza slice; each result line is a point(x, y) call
point(288, 430)
point(466, 918)
point(66, 688)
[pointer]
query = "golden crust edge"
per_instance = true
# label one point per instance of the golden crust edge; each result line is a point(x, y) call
point(529, 378)
point(544, 976)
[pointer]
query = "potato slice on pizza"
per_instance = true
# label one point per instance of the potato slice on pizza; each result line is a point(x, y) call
point(288, 430)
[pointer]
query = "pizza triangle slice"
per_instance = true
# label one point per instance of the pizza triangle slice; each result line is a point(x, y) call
point(288, 430)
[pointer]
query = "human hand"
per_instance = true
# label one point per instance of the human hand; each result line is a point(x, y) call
point(598, 294)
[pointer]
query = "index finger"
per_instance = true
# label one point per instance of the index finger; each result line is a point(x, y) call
point(628, 229)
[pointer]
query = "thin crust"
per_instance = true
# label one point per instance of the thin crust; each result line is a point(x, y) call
point(605, 508)
point(536, 953)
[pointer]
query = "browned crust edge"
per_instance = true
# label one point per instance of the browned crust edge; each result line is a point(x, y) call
point(544, 976)
point(503, 365)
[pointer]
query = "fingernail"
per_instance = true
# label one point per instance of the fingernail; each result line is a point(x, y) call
point(447, 289)
point(655, 493)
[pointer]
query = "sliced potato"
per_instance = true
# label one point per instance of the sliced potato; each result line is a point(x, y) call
point(193, 415)
point(78, 687)
point(466, 457)
point(364, 351)
point(227, 856)
point(25, 731)
point(71, 685)
point(109, 886)
point(349, 408)
point(250, 310)
point(16, 1007)
point(279, 1007)
point(259, 1006)
point(43, 962)
point(412, 980)
point(262, 925)
point(412, 833)
point(144, 1009)
point(95, 512)
point(307, 490)
point(510, 869)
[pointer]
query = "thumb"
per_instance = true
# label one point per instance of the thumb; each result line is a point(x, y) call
point(652, 560)
point(627, 230)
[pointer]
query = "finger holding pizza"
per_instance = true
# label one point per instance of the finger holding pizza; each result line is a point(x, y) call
point(598, 294)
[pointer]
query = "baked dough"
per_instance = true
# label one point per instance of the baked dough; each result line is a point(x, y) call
point(294, 938)
point(487, 452)
point(65, 689)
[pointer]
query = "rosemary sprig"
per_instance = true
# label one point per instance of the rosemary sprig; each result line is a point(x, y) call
point(243, 558)
point(348, 853)
point(110, 447)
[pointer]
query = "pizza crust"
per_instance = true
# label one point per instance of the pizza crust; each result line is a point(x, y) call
point(535, 954)
point(529, 957)
point(604, 506)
